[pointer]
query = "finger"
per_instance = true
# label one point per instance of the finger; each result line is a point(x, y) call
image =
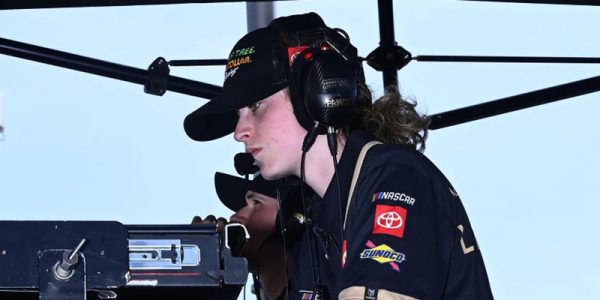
point(209, 219)
point(221, 222)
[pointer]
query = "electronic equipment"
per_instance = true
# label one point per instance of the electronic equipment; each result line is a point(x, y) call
point(75, 260)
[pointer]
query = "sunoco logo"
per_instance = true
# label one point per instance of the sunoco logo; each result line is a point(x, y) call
point(383, 254)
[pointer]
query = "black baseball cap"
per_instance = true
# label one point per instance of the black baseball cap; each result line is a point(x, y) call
point(255, 70)
point(232, 189)
point(249, 77)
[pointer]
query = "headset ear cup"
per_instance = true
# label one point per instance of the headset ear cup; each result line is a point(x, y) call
point(327, 86)
point(295, 80)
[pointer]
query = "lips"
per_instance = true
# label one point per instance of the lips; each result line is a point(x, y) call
point(253, 151)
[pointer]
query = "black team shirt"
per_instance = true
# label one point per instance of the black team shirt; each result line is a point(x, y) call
point(407, 232)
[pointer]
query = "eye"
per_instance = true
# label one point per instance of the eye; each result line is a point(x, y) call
point(255, 106)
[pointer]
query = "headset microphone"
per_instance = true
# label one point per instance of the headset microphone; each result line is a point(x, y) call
point(244, 164)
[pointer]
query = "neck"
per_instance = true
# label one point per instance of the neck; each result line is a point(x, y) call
point(319, 168)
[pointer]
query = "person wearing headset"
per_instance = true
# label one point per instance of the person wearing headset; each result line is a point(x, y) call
point(390, 225)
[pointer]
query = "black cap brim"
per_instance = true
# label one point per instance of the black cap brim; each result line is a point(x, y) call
point(251, 75)
point(207, 127)
point(232, 189)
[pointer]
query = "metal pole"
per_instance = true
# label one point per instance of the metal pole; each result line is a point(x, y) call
point(387, 39)
point(33, 4)
point(103, 68)
point(258, 14)
point(513, 103)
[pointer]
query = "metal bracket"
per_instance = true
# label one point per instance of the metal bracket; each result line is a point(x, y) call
point(383, 58)
point(236, 235)
point(158, 77)
point(149, 254)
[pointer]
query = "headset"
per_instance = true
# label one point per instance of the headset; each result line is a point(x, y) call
point(325, 87)
point(321, 68)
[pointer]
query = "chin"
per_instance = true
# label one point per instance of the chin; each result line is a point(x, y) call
point(269, 176)
point(270, 173)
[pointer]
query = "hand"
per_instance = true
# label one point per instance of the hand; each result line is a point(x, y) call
point(211, 219)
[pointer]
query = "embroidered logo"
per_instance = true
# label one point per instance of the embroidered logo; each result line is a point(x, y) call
point(383, 254)
point(236, 62)
point(370, 294)
point(237, 58)
point(389, 220)
point(231, 72)
point(393, 196)
point(307, 295)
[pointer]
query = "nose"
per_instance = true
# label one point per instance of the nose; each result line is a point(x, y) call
point(236, 218)
point(243, 128)
point(241, 216)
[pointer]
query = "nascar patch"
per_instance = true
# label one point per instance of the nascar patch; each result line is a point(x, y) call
point(390, 220)
point(394, 196)
point(383, 254)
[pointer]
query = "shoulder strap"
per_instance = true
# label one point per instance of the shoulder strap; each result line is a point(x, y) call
point(359, 162)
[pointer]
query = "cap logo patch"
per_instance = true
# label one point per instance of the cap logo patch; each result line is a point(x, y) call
point(241, 52)
point(236, 62)
point(230, 73)
point(389, 220)
point(237, 58)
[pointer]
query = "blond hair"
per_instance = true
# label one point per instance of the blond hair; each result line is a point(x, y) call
point(394, 120)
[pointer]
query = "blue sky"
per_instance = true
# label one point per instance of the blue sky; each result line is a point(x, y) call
point(82, 147)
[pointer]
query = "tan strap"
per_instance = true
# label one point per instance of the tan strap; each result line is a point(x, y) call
point(359, 162)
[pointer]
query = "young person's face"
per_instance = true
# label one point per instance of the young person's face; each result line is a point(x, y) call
point(271, 133)
point(259, 217)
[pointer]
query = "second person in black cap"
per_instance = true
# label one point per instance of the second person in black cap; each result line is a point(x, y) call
point(256, 206)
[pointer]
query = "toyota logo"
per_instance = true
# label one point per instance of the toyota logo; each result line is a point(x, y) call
point(390, 220)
